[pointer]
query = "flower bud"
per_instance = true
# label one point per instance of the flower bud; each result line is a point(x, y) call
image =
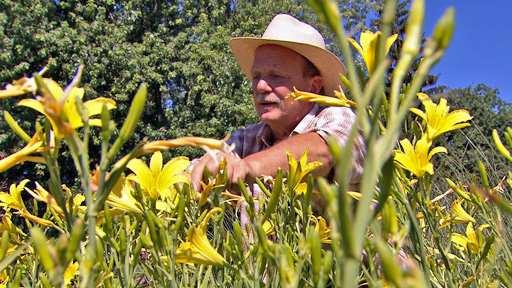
point(499, 145)
point(414, 27)
point(443, 32)
point(15, 127)
point(41, 247)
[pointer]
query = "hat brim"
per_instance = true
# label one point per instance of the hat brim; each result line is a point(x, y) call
point(329, 66)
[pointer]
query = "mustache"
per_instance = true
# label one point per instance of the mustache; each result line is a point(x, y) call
point(262, 98)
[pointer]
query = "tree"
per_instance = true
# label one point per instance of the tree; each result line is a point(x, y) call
point(178, 48)
point(472, 143)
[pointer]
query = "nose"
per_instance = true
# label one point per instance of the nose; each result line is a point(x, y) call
point(261, 86)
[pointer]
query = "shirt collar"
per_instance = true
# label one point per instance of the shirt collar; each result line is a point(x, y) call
point(265, 137)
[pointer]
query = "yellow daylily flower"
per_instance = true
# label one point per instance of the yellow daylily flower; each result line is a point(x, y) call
point(15, 233)
point(459, 215)
point(438, 118)
point(42, 195)
point(197, 249)
point(473, 241)
point(70, 273)
point(323, 230)
point(4, 279)
point(340, 100)
point(157, 180)
point(416, 159)
point(368, 47)
point(19, 87)
point(13, 200)
point(62, 112)
point(122, 199)
point(298, 170)
point(33, 146)
point(268, 227)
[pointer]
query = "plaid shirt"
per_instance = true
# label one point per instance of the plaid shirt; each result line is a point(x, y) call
point(326, 121)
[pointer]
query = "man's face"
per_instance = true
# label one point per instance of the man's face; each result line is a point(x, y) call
point(276, 70)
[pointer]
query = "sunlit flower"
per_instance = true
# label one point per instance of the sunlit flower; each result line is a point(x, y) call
point(157, 180)
point(340, 100)
point(122, 199)
point(459, 214)
point(322, 229)
point(4, 279)
point(42, 195)
point(473, 241)
point(70, 273)
point(13, 200)
point(268, 227)
point(25, 154)
point(368, 47)
point(20, 87)
point(62, 111)
point(438, 118)
point(197, 249)
point(416, 159)
point(298, 170)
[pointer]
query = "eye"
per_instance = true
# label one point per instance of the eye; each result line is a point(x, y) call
point(276, 75)
point(256, 77)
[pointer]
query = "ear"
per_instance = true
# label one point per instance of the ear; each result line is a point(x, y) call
point(317, 84)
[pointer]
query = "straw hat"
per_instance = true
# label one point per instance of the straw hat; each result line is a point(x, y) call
point(284, 30)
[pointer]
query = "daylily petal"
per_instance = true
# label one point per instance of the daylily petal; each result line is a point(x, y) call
point(418, 112)
point(70, 272)
point(18, 157)
point(438, 118)
point(459, 240)
point(125, 202)
point(321, 99)
point(368, 41)
point(323, 230)
point(143, 174)
point(356, 46)
point(54, 88)
point(436, 150)
point(416, 159)
point(197, 249)
point(172, 173)
point(389, 42)
point(460, 215)
point(155, 163)
point(94, 106)
point(18, 87)
point(38, 106)
point(71, 111)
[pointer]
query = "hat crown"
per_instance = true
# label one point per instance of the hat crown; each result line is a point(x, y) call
point(287, 28)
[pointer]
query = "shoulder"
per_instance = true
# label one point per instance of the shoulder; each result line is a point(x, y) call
point(248, 131)
point(342, 116)
point(335, 112)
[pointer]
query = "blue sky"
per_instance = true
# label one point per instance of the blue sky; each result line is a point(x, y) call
point(481, 50)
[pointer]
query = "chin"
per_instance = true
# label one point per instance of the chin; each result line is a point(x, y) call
point(270, 117)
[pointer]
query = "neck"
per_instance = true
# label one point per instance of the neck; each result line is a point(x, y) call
point(279, 132)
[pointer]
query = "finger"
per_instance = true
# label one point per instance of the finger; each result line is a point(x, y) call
point(197, 174)
point(212, 164)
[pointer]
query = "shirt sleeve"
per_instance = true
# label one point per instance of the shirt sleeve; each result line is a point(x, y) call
point(237, 138)
point(337, 122)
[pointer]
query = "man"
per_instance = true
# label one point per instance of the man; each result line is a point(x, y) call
point(289, 54)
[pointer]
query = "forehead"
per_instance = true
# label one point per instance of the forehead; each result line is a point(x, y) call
point(277, 57)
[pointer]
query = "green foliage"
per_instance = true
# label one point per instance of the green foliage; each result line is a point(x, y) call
point(137, 230)
point(489, 112)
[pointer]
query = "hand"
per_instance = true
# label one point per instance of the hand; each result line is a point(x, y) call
point(239, 169)
point(236, 168)
point(206, 162)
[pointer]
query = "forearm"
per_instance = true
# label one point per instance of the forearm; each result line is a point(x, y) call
point(267, 162)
